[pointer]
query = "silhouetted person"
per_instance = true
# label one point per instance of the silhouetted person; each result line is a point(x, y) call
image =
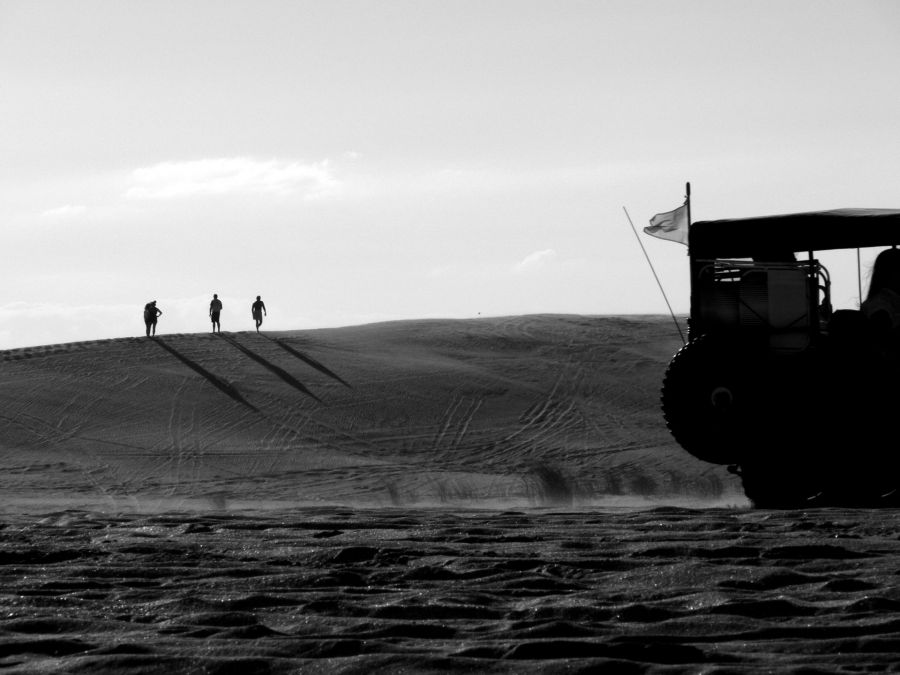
point(876, 397)
point(214, 308)
point(258, 308)
point(151, 314)
point(882, 304)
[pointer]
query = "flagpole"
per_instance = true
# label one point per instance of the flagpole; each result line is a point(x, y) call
point(859, 276)
point(687, 202)
point(658, 283)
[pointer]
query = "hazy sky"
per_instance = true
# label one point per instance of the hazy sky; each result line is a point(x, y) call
point(356, 161)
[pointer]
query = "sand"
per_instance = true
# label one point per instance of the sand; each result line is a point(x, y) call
point(492, 495)
point(518, 411)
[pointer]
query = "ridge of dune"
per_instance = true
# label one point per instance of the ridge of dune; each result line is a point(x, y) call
point(547, 409)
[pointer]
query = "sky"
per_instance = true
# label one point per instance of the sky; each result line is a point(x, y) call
point(353, 161)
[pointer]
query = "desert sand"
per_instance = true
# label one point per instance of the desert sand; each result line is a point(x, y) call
point(486, 495)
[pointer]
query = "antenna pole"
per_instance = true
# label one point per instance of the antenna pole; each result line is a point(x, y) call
point(658, 283)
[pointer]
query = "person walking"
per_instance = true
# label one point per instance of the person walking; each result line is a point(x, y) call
point(151, 314)
point(214, 308)
point(258, 309)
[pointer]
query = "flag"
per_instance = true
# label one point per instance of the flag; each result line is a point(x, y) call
point(672, 225)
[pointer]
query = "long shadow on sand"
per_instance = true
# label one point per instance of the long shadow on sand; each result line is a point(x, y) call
point(283, 374)
point(219, 384)
point(308, 360)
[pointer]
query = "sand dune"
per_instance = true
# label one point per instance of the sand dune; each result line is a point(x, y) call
point(521, 410)
point(494, 495)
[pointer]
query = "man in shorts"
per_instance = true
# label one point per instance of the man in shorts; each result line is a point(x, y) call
point(214, 308)
point(258, 308)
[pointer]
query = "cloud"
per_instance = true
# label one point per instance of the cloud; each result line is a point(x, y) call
point(535, 260)
point(66, 211)
point(235, 175)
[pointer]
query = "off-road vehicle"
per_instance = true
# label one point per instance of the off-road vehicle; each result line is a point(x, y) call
point(801, 400)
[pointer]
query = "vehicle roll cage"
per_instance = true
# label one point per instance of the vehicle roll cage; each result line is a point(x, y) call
point(745, 277)
point(786, 303)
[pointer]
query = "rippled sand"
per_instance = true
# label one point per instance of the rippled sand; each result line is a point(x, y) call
point(387, 590)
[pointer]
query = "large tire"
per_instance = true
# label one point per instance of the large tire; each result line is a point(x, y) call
point(709, 398)
point(807, 429)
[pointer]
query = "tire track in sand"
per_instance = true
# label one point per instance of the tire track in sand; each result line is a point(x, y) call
point(451, 420)
point(548, 419)
point(462, 428)
point(449, 413)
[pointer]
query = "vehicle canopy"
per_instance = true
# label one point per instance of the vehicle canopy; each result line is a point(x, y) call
point(774, 237)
